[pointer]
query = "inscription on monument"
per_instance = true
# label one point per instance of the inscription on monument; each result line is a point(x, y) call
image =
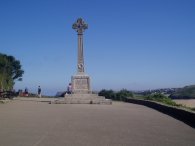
point(81, 84)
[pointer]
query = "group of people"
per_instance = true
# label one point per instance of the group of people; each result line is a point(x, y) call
point(26, 93)
point(69, 91)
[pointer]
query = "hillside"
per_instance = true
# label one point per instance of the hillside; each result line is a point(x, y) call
point(188, 92)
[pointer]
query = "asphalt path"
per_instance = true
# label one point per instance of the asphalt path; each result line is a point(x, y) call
point(34, 122)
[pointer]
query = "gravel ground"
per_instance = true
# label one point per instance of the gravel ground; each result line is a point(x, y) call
point(34, 123)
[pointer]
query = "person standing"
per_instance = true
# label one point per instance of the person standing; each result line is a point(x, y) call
point(39, 92)
point(26, 91)
point(69, 88)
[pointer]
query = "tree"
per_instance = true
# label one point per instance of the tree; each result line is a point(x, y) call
point(109, 94)
point(121, 95)
point(10, 70)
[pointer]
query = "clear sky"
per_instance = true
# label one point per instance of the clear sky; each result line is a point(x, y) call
point(132, 44)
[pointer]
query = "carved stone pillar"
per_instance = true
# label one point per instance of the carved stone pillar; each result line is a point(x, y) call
point(81, 81)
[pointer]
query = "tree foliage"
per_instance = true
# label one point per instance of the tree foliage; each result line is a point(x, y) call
point(10, 71)
point(187, 92)
point(120, 96)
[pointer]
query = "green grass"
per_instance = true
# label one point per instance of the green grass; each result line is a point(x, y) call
point(192, 108)
point(162, 99)
point(158, 98)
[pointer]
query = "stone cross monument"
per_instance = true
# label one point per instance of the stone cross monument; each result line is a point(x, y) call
point(81, 81)
point(81, 90)
point(80, 27)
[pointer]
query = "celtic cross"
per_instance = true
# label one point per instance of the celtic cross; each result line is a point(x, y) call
point(80, 27)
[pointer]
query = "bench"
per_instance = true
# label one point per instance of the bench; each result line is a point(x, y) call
point(7, 94)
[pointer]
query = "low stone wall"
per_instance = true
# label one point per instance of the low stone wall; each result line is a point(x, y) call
point(179, 114)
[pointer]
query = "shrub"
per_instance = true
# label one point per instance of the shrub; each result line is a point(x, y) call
point(161, 98)
point(109, 94)
point(120, 96)
point(123, 94)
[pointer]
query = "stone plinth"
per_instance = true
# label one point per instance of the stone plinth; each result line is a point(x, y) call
point(81, 84)
point(83, 99)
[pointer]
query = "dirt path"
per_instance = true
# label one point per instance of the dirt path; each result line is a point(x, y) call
point(186, 102)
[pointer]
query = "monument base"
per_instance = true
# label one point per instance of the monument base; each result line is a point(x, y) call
point(83, 99)
point(81, 92)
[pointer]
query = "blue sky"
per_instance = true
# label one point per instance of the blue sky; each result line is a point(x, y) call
point(132, 44)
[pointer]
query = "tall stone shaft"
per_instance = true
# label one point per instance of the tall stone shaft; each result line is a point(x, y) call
point(80, 67)
point(80, 27)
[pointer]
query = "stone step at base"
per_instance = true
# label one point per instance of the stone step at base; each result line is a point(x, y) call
point(84, 96)
point(83, 99)
point(106, 101)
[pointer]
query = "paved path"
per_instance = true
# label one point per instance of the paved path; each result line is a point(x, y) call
point(33, 123)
